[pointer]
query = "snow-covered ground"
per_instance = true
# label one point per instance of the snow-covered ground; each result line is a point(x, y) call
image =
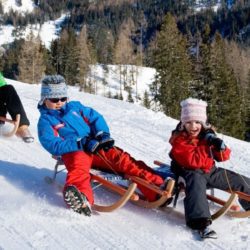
point(144, 77)
point(34, 216)
point(47, 32)
point(26, 6)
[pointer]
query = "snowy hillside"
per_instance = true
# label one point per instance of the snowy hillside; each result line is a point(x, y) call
point(34, 216)
point(25, 6)
point(47, 32)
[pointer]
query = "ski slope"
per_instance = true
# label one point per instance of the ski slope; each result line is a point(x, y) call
point(34, 216)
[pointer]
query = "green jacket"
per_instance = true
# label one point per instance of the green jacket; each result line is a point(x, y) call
point(2, 80)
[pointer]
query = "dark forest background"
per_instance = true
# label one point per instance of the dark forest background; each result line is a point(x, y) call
point(203, 54)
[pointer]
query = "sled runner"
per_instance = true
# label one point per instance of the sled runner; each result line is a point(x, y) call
point(128, 191)
point(227, 207)
point(98, 180)
point(15, 124)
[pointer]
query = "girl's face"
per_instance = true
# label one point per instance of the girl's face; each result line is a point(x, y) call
point(55, 103)
point(193, 128)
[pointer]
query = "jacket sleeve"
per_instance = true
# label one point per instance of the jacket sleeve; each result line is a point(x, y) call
point(95, 120)
point(51, 142)
point(191, 156)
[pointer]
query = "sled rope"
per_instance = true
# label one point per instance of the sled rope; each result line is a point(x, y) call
point(230, 161)
point(228, 183)
point(107, 162)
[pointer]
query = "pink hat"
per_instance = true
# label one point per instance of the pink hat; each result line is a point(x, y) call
point(193, 110)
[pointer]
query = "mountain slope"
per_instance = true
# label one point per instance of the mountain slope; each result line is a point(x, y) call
point(33, 214)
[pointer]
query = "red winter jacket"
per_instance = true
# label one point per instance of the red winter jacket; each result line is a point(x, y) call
point(195, 153)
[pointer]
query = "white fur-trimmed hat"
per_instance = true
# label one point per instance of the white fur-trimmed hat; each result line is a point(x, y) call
point(53, 86)
point(193, 110)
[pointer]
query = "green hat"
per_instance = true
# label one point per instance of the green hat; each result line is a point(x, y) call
point(2, 80)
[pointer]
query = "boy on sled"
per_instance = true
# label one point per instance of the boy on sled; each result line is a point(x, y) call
point(81, 136)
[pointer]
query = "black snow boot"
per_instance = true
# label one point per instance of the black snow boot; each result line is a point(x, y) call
point(77, 200)
point(208, 233)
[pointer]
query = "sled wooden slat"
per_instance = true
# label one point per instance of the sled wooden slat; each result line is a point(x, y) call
point(118, 204)
point(221, 202)
point(148, 185)
point(15, 125)
point(113, 187)
point(242, 195)
point(240, 214)
point(167, 194)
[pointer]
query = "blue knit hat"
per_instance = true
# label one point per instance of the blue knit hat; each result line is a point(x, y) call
point(53, 86)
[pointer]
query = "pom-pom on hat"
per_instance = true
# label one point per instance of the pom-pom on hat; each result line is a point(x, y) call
point(193, 110)
point(53, 86)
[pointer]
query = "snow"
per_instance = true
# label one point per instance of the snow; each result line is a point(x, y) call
point(48, 32)
point(144, 76)
point(34, 216)
point(27, 6)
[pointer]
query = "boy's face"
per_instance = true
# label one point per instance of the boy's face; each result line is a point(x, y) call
point(193, 128)
point(55, 103)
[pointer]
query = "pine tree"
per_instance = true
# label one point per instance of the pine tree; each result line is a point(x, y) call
point(146, 101)
point(173, 66)
point(225, 94)
point(55, 58)
point(103, 41)
point(31, 63)
point(70, 55)
point(130, 98)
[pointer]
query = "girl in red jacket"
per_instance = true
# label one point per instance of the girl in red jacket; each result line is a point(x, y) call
point(195, 148)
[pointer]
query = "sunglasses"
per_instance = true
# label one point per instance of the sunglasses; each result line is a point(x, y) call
point(56, 100)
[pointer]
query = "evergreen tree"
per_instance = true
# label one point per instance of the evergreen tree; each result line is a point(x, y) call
point(130, 98)
point(225, 94)
point(146, 101)
point(173, 66)
point(103, 41)
point(70, 55)
point(55, 58)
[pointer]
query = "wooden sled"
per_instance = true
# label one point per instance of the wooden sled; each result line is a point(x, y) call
point(14, 123)
point(229, 206)
point(164, 195)
point(127, 193)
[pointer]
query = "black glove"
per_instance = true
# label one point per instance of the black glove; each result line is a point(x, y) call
point(89, 145)
point(207, 133)
point(92, 146)
point(212, 139)
point(105, 141)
